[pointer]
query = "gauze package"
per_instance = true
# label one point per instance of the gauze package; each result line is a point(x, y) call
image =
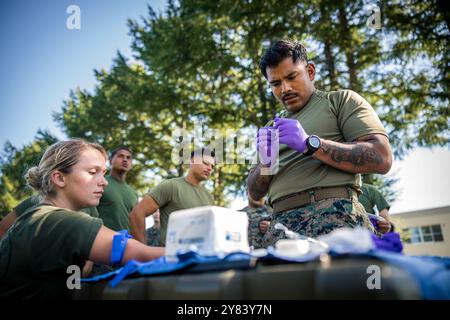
point(209, 230)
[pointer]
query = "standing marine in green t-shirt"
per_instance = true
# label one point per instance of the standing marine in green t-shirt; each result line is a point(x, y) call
point(175, 194)
point(325, 141)
point(118, 198)
point(154, 232)
point(370, 198)
point(259, 217)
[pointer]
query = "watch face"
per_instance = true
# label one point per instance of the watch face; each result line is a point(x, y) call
point(314, 142)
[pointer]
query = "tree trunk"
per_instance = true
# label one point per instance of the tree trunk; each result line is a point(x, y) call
point(218, 192)
point(328, 50)
point(264, 102)
point(348, 45)
point(329, 61)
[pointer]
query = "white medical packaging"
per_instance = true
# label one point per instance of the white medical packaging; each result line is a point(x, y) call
point(209, 230)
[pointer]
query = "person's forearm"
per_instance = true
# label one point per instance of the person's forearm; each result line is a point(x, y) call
point(258, 184)
point(137, 223)
point(138, 251)
point(101, 249)
point(355, 157)
point(385, 214)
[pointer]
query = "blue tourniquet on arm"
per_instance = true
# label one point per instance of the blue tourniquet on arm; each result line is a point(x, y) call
point(118, 246)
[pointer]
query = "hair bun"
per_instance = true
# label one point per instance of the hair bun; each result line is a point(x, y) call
point(34, 178)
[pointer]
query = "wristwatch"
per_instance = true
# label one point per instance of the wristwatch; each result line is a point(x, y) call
point(313, 144)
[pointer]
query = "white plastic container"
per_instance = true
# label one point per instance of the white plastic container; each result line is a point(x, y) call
point(210, 230)
point(293, 248)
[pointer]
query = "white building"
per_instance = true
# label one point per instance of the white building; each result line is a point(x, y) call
point(425, 232)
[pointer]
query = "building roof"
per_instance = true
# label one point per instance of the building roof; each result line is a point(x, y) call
point(430, 211)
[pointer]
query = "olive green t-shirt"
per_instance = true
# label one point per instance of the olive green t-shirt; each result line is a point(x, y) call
point(177, 194)
point(34, 201)
point(371, 197)
point(116, 204)
point(37, 250)
point(341, 116)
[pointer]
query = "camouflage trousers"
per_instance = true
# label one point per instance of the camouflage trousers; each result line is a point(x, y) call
point(318, 218)
point(255, 216)
point(255, 236)
point(153, 236)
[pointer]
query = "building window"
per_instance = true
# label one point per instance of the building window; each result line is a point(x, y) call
point(437, 233)
point(423, 234)
point(426, 234)
point(416, 236)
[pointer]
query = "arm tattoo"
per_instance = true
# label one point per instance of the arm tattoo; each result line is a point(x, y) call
point(259, 184)
point(359, 155)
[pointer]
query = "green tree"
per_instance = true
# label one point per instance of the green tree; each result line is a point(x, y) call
point(14, 163)
point(418, 97)
point(198, 63)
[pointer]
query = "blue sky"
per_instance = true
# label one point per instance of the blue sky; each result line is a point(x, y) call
point(41, 61)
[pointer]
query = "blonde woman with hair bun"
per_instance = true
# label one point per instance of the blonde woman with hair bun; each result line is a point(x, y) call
point(47, 238)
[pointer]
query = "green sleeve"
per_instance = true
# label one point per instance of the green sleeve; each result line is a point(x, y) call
point(62, 239)
point(380, 201)
point(356, 117)
point(162, 193)
point(26, 204)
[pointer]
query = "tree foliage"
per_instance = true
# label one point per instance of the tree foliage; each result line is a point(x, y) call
point(14, 163)
point(197, 62)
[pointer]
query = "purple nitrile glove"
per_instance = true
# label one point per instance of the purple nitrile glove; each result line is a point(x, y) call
point(374, 223)
point(266, 148)
point(291, 133)
point(390, 241)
